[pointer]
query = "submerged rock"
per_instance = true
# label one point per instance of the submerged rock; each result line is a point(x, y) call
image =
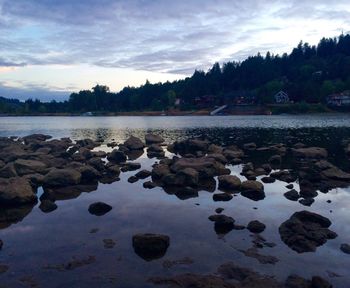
point(99, 208)
point(256, 226)
point(305, 231)
point(345, 248)
point(150, 246)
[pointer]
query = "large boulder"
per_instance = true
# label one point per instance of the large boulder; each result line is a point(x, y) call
point(229, 182)
point(16, 191)
point(8, 171)
point(304, 231)
point(134, 143)
point(24, 167)
point(62, 177)
point(253, 190)
point(153, 139)
point(150, 246)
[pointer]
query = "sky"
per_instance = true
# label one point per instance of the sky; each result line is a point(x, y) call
point(50, 48)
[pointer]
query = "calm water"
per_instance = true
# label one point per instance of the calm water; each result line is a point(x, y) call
point(35, 241)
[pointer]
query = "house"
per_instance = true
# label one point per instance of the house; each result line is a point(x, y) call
point(339, 100)
point(281, 98)
point(204, 101)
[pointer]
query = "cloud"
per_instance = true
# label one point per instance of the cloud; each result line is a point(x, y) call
point(161, 35)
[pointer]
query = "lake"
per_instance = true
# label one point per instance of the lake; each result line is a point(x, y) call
point(37, 245)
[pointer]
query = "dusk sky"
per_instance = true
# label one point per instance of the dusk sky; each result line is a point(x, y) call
point(49, 48)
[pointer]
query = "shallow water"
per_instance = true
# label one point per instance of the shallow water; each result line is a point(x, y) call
point(38, 242)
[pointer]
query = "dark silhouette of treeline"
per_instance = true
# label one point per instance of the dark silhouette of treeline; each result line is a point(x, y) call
point(308, 74)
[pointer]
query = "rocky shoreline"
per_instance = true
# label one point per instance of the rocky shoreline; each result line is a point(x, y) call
point(64, 169)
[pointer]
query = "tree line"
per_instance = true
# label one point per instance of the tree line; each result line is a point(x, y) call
point(308, 74)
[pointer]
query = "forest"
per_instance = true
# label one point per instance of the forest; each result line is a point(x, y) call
point(308, 74)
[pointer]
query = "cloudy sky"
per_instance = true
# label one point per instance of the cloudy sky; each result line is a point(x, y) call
point(49, 48)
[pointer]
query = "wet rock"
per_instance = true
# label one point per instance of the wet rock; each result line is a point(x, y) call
point(229, 182)
point(253, 190)
point(219, 210)
point(47, 206)
point(24, 167)
point(305, 231)
point(187, 177)
point(233, 154)
point(150, 246)
point(215, 149)
point(88, 174)
point(155, 148)
point(190, 146)
point(256, 226)
point(134, 143)
point(249, 146)
point(284, 175)
point(153, 139)
point(3, 268)
point(319, 282)
point(335, 174)
point(16, 191)
point(295, 281)
point(275, 160)
point(133, 179)
point(310, 152)
point(159, 171)
point(131, 166)
point(222, 197)
point(99, 208)
point(8, 171)
point(108, 243)
point(35, 138)
point(268, 179)
point(149, 185)
point(307, 201)
point(292, 195)
point(290, 186)
point(1, 244)
point(117, 156)
point(345, 248)
point(62, 177)
point(223, 224)
point(143, 174)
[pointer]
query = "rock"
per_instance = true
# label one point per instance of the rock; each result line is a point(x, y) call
point(133, 179)
point(345, 248)
point(219, 210)
point(307, 201)
point(319, 282)
point(16, 191)
point(159, 171)
point(268, 179)
point(143, 174)
point(310, 152)
point(153, 139)
point(190, 146)
point(187, 177)
point(253, 190)
point(150, 246)
point(256, 226)
point(222, 197)
point(134, 143)
point(295, 281)
point(290, 186)
point(233, 154)
point(305, 231)
point(47, 206)
point(117, 156)
point(88, 174)
point(284, 175)
point(24, 167)
point(62, 177)
point(249, 146)
point(149, 185)
point(131, 166)
point(335, 174)
point(215, 149)
point(99, 208)
point(223, 224)
point(1, 244)
point(8, 171)
point(275, 160)
point(229, 182)
point(292, 195)
point(35, 138)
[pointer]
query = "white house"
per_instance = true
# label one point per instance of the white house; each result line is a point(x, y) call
point(282, 97)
